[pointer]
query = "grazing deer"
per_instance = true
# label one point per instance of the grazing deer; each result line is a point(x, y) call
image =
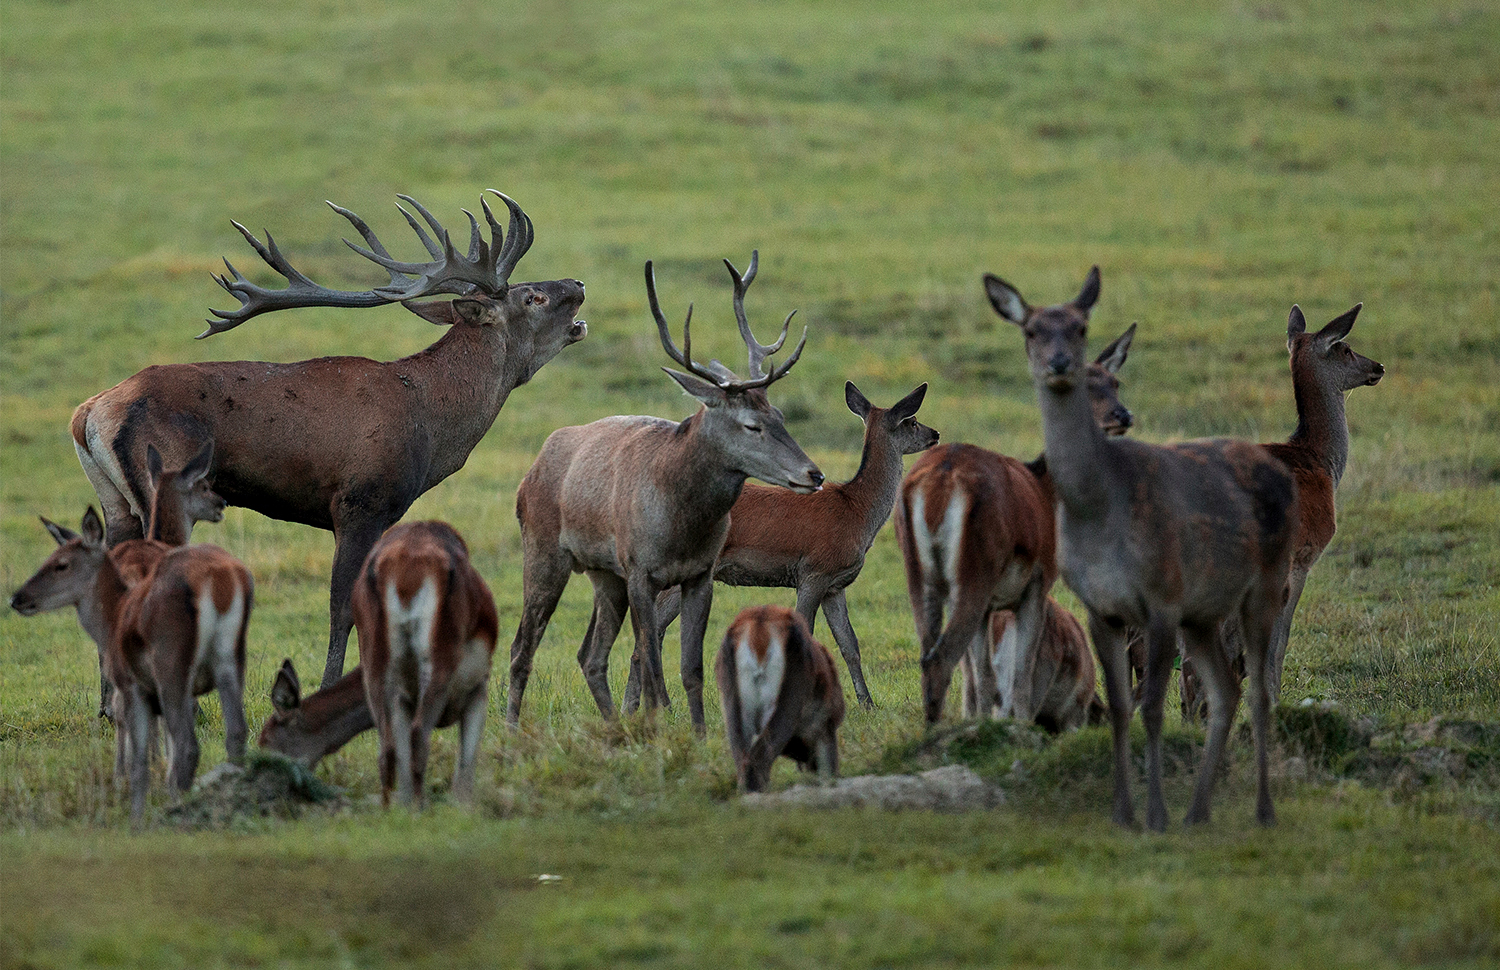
point(340, 443)
point(781, 696)
point(310, 729)
point(1162, 538)
point(817, 543)
point(427, 631)
point(1324, 369)
point(177, 633)
point(1064, 675)
point(641, 504)
point(977, 535)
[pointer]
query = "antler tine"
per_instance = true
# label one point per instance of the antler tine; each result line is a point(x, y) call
point(757, 350)
point(685, 355)
point(369, 236)
point(517, 239)
point(433, 249)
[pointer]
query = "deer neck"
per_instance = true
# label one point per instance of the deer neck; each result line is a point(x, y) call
point(99, 610)
point(700, 474)
point(1322, 427)
point(459, 385)
point(1076, 457)
point(873, 489)
point(336, 715)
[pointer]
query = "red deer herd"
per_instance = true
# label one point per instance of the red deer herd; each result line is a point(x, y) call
point(1199, 549)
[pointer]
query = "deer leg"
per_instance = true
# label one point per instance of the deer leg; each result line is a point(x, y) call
point(1282, 633)
point(1161, 647)
point(431, 703)
point(938, 663)
point(379, 704)
point(543, 583)
point(697, 600)
point(352, 543)
point(1222, 687)
point(1258, 617)
point(828, 758)
point(1109, 647)
point(401, 743)
point(836, 609)
point(470, 734)
point(610, 600)
point(668, 606)
point(133, 715)
point(1016, 699)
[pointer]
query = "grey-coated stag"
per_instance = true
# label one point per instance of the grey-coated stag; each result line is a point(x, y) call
point(642, 504)
point(1161, 538)
point(340, 443)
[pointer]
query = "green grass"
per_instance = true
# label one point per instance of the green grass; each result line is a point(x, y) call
point(1218, 161)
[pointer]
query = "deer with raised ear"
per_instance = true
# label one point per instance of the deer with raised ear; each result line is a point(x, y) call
point(1324, 369)
point(309, 729)
point(642, 504)
point(1169, 539)
point(345, 444)
point(177, 633)
point(781, 696)
point(817, 543)
point(977, 535)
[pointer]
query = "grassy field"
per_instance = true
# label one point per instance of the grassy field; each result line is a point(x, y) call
point(1219, 161)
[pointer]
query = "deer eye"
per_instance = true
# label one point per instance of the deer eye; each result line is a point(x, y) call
point(61, 567)
point(752, 427)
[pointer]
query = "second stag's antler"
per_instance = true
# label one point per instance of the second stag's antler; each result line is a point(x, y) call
point(485, 269)
point(714, 371)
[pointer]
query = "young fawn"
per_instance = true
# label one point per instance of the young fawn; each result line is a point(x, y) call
point(427, 630)
point(179, 632)
point(781, 696)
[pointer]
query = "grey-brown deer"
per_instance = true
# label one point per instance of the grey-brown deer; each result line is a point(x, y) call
point(781, 696)
point(427, 632)
point(977, 535)
point(1324, 369)
point(179, 632)
point(1163, 538)
point(340, 443)
point(817, 543)
point(641, 504)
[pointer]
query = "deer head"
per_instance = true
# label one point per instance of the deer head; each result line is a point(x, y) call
point(737, 416)
point(1056, 336)
point(1329, 360)
point(68, 574)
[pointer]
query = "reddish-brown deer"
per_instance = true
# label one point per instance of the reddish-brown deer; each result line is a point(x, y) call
point(1162, 538)
point(1064, 674)
point(311, 728)
point(177, 633)
point(340, 443)
point(1324, 369)
point(781, 696)
point(641, 504)
point(817, 543)
point(427, 631)
point(976, 533)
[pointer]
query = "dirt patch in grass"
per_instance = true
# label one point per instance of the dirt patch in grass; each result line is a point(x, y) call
point(267, 786)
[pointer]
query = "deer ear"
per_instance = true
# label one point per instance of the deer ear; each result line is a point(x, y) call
point(1006, 299)
point(286, 692)
point(92, 529)
point(907, 406)
point(1089, 295)
point(1112, 358)
point(711, 395)
point(856, 401)
point(439, 312)
point(153, 465)
point(1338, 328)
point(60, 535)
point(194, 471)
point(1296, 324)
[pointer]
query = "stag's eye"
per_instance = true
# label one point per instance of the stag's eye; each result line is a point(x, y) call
point(537, 299)
point(752, 428)
point(61, 567)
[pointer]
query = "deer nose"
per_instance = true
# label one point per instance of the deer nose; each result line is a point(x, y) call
point(816, 477)
point(1059, 363)
point(1122, 417)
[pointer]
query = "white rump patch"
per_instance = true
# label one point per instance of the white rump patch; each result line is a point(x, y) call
point(759, 684)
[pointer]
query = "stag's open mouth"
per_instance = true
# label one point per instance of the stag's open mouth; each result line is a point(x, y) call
point(577, 331)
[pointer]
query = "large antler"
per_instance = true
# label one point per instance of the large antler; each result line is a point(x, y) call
point(714, 371)
point(485, 269)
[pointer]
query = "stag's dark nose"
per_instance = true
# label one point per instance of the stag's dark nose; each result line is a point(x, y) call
point(1122, 417)
point(1059, 364)
point(816, 477)
point(20, 603)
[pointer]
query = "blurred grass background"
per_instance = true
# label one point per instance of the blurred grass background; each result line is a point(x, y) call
point(1218, 160)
